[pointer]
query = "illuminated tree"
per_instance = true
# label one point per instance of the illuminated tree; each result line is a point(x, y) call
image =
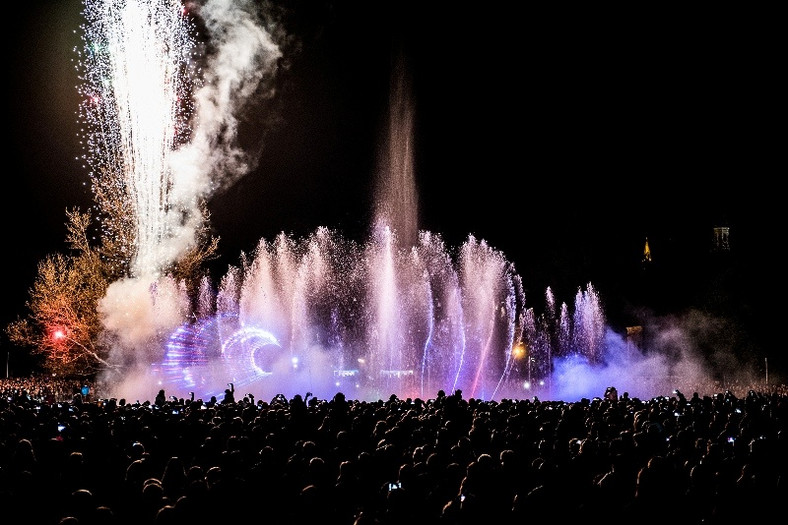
point(63, 322)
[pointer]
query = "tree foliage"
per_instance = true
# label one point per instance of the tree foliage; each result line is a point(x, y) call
point(63, 322)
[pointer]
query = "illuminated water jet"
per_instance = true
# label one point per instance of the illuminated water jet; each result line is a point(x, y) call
point(372, 320)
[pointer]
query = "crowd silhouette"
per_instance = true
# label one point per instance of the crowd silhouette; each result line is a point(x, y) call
point(71, 457)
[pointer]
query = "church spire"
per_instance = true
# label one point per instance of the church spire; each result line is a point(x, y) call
point(646, 253)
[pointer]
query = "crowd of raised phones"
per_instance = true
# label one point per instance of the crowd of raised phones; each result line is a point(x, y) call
point(71, 457)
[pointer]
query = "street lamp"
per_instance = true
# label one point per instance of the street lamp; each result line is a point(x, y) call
point(520, 352)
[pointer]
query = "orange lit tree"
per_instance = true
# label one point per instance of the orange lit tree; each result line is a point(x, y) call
point(63, 322)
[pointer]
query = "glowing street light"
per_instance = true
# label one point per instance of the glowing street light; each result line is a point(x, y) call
point(520, 352)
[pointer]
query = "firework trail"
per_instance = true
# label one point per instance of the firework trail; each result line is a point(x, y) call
point(160, 129)
point(137, 80)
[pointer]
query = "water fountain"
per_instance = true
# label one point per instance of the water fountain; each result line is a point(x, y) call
point(323, 314)
point(386, 316)
point(398, 313)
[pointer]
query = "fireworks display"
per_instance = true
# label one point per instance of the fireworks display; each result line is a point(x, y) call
point(138, 75)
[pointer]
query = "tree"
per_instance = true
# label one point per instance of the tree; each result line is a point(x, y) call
point(63, 322)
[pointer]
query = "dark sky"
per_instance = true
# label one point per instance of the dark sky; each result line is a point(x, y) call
point(563, 137)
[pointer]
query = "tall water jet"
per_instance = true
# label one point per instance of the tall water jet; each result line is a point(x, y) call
point(396, 198)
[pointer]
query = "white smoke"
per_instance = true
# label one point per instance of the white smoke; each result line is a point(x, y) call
point(625, 367)
point(244, 59)
point(136, 310)
point(691, 352)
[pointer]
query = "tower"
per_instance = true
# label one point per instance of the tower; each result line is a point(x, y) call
point(721, 239)
point(646, 254)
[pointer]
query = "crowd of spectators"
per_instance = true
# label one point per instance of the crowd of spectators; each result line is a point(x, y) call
point(71, 457)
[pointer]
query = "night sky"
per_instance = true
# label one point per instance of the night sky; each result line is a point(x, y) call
point(564, 138)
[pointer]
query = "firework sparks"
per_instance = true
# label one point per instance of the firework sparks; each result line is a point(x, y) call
point(138, 75)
